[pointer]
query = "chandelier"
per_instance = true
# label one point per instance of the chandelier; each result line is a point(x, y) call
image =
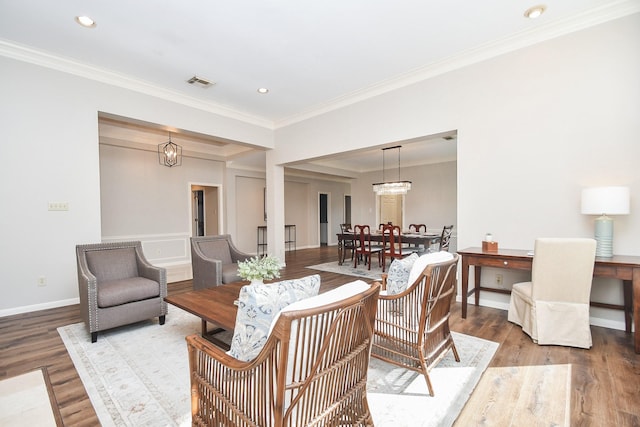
point(169, 153)
point(391, 187)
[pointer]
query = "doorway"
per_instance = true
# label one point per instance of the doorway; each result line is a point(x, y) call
point(347, 209)
point(391, 209)
point(204, 210)
point(323, 202)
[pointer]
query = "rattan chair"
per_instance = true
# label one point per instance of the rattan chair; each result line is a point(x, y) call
point(412, 327)
point(311, 371)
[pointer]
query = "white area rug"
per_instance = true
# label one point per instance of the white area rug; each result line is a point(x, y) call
point(347, 268)
point(24, 401)
point(402, 398)
point(138, 375)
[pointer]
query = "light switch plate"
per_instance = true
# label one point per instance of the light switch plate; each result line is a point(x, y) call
point(58, 206)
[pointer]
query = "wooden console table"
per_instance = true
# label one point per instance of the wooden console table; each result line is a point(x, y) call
point(625, 268)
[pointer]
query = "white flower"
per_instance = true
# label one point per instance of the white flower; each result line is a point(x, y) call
point(266, 267)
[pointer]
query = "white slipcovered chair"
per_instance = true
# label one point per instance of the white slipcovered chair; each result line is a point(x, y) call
point(553, 308)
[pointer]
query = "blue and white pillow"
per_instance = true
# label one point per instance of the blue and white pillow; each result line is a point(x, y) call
point(398, 277)
point(258, 305)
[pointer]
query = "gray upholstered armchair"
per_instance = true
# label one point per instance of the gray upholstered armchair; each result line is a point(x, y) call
point(214, 261)
point(118, 286)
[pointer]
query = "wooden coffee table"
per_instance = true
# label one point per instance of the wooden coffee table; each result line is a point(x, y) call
point(212, 305)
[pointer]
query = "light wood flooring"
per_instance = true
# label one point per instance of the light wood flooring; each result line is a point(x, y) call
point(605, 380)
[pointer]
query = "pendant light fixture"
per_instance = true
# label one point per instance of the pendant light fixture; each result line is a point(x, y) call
point(391, 187)
point(169, 153)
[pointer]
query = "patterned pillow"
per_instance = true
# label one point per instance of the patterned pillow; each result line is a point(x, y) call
point(398, 277)
point(258, 304)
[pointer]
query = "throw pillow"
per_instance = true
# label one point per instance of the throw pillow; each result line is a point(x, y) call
point(257, 306)
point(422, 262)
point(398, 277)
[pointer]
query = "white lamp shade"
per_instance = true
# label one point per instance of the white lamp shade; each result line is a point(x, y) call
point(605, 201)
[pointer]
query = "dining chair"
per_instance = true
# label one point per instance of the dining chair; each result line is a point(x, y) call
point(348, 241)
point(312, 370)
point(392, 244)
point(553, 308)
point(445, 238)
point(417, 228)
point(364, 248)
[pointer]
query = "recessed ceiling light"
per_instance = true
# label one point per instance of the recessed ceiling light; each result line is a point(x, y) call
point(263, 90)
point(85, 21)
point(535, 11)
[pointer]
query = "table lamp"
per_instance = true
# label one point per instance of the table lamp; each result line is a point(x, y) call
point(605, 201)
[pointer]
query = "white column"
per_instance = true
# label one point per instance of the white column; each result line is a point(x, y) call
point(275, 208)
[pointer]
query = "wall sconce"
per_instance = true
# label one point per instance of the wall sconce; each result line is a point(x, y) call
point(605, 201)
point(170, 153)
point(391, 187)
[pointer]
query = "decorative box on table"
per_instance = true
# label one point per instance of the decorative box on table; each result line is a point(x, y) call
point(489, 246)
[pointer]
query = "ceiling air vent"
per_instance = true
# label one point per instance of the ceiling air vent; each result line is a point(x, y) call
point(199, 81)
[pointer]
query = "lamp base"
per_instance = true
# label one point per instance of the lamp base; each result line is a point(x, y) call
point(604, 237)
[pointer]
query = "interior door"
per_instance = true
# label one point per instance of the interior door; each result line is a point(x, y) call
point(198, 213)
point(391, 209)
point(324, 219)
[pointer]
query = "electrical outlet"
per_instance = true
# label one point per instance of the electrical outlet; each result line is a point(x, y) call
point(42, 281)
point(499, 279)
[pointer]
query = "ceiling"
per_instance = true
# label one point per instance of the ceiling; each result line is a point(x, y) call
point(312, 56)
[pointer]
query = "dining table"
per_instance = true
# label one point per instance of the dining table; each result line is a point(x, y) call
point(414, 239)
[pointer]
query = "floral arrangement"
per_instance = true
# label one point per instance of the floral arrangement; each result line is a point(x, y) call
point(266, 267)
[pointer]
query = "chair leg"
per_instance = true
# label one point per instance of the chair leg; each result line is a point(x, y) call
point(161, 319)
point(428, 380)
point(94, 337)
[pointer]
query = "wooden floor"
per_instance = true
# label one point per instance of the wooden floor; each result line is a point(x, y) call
point(605, 380)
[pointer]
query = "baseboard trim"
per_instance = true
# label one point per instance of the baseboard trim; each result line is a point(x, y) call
point(38, 307)
point(593, 321)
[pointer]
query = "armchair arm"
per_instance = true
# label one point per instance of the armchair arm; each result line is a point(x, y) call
point(236, 254)
point(225, 389)
point(150, 271)
point(87, 291)
point(157, 274)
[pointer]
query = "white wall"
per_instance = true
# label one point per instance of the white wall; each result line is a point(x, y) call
point(49, 121)
point(534, 127)
point(143, 200)
point(432, 199)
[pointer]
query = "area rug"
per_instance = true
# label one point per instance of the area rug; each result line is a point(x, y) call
point(347, 268)
point(25, 400)
point(138, 375)
point(399, 397)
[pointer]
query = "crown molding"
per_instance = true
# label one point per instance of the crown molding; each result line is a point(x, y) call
point(486, 51)
point(539, 34)
point(47, 60)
